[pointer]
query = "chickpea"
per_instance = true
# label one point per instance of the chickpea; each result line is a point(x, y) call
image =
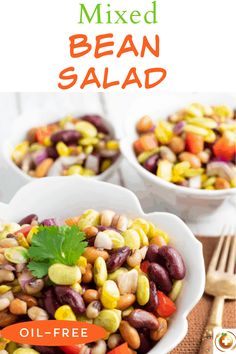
point(90, 295)
point(221, 183)
point(35, 313)
point(144, 124)
point(177, 144)
point(191, 158)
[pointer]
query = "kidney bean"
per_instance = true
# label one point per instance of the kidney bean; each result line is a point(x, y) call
point(145, 344)
point(7, 318)
point(117, 258)
point(90, 241)
point(153, 298)
point(70, 297)
point(28, 219)
point(50, 302)
point(49, 222)
point(48, 350)
point(152, 253)
point(66, 136)
point(97, 122)
point(151, 163)
point(173, 262)
point(52, 152)
point(160, 276)
point(142, 319)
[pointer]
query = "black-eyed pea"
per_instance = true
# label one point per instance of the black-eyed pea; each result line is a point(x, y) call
point(93, 309)
point(4, 304)
point(36, 313)
point(6, 275)
point(114, 340)
point(8, 242)
point(34, 287)
point(157, 334)
point(43, 168)
point(100, 347)
point(134, 259)
point(125, 301)
point(191, 158)
point(129, 334)
point(120, 222)
point(90, 295)
point(106, 217)
point(18, 307)
point(88, 275)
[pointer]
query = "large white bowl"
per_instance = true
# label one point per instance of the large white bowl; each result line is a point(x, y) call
point(188, 203)
point(63, 197)
point(18, 133)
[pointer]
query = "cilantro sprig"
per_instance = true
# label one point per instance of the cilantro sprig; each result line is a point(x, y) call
point(55, 244)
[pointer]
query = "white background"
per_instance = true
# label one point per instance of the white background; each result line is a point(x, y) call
point(197, 43)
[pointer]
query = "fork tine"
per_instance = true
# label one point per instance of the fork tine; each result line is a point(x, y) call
point(232, 255)
point(224, 254)
point(215, 256)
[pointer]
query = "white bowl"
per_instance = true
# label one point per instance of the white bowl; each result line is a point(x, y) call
point(18, 133)
point(64, 197)
point(188, 203)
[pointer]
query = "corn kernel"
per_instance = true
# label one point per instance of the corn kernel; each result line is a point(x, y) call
point(195, 129)
point(65, 313)
point(65, 120)
point(112, 145)
point(47, 141)
point(210, 137)
point(164, 170)
point(88, 172)
point(22, 240)
point(88, 149)
point(209, 182)
point(75, 170)
point(62, 149)
point(145, 155)
point(164, 132)
point(105, 165)
point(20, 151)
point(82, 263)
point(32, 232)
point(35, 147)
point(233, 182)
point(77, 287)
point(88, 141)
point(210, 188)
point(180, 168)
point(4, 289)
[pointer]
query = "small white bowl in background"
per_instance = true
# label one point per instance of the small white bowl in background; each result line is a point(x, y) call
point(17, 134)
point(64, 197)
point(193, 205)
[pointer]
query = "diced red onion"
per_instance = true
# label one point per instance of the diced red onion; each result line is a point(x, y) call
point(39, 156)
point(92, 163)
point(49, 222)
point(195, 182)
point(179, 127)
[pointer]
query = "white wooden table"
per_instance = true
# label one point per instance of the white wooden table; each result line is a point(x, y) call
point(113, 106)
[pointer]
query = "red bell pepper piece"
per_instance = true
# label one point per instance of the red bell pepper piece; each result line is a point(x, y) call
point(194, 143)
point(225, 148)
point(166, 307)
point(121, 349)
point(24, 230)
point(144, 266)
point(72, 349)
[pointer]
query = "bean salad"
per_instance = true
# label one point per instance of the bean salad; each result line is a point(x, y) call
point(195, 147)
point(83, 146)
point(121, 274)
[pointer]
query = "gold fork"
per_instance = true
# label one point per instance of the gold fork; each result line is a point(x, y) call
point(220, 283)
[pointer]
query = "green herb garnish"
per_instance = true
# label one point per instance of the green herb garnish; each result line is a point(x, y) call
point(55, 244)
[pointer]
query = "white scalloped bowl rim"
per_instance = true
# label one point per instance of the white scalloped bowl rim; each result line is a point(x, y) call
point(24, 122)
point(56, 196)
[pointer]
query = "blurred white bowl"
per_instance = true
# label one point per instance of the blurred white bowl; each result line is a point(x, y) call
point(188, 203)
point(18, 133)
point(64, 197)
